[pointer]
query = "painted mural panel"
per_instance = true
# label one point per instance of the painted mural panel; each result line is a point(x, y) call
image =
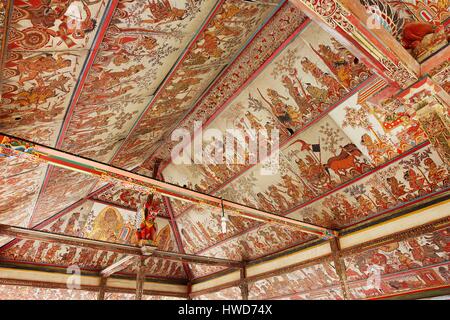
point(416, 263)
point(303, 83)
point(56, 255)
point(282, 25)
point(41, 25)
point(334, 293)
point(42, 253)
point(159, 268)
point(424, 279)
point(419, 25)
point(314, 162)
point(421, 251)
point(228, 30)
point(141, 44)
point(409, 178)
point(201, 228)
point(14, 292)
point(301, 282)
point(119, 296)
point(199, 271)
point(381, 133)
point(126, 198)
point(259, 242)
point(63, 188)
point(100, 222)
point(162, 17)
point(97, 131)
point(20, 181)
point(254, 243)
point(107, 223)
point(37, 87)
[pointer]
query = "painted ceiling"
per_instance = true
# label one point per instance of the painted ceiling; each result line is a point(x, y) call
point(114, 87)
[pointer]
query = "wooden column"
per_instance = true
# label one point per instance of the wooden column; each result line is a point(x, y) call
point(244, 284)
point(340, 267)
point(102, 289)
point(189, 291)
point(140, 278)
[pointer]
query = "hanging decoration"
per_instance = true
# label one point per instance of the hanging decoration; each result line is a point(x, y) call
point(148, 229)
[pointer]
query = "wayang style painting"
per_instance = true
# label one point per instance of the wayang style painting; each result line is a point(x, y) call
point(102, 93)
point(99, 222)
point(233, 293)
point(405, 180)
point(301, 71)
point(412, 264)
point(46, 53)
point(20, 181)
point(134, 57)
point(318, 281)
point(227, 31)
point(35, 293)
point(421, 26)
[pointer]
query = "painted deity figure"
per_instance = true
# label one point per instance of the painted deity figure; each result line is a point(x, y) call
point(46, 16)
point(436, 174)
point(379, 151)
point(32, 67)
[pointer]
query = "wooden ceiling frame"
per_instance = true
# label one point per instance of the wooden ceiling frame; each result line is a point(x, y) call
point(421, 221)
point(424, 220)
point(13, 146)
point(146, 251)
point(176, 231)
point(102, 285)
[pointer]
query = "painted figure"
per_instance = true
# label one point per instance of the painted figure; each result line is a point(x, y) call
point(147, 231)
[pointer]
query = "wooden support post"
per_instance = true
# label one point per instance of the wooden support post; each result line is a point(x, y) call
point(244, 284)
point(340, 267)
point(140, 278)
point(189, 291)
point(102, 289)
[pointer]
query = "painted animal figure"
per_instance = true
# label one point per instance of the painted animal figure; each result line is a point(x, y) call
point(347, 159)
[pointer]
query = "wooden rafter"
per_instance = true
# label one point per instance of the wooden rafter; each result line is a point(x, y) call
point(44, 236)
point(102, 289)
point(117, 266)
point(244, 284)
